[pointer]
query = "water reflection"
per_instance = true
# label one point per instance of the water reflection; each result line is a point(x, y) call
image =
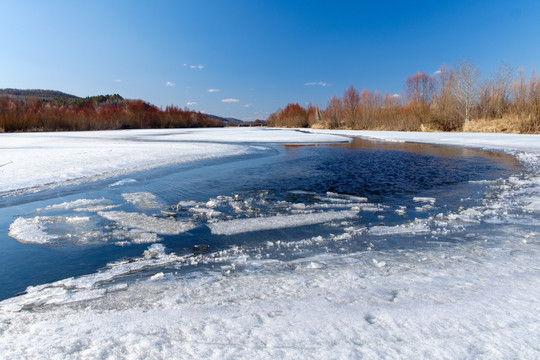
point(506, 160)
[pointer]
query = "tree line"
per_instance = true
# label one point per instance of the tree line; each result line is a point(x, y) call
point(103, 112)
point(452, 99)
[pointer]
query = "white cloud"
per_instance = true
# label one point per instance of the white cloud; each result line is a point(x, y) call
point(438, 72)
point(169, 83)
point(117, 80)
point(396, 96)
point(230, 100)
point(191, 103)
point(316, 83)
point(213, 90)
point(247, 105)
point(200, 67)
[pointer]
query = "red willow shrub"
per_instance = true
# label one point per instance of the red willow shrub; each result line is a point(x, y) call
point(108, 112)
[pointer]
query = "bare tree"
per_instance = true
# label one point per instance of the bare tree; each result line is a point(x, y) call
point(465, 88)
point(351, 106)
point(334, 112)
point(501, 89)
point(420, 89)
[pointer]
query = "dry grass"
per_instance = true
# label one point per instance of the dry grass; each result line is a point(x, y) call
point(502, 125)
point(507, 124)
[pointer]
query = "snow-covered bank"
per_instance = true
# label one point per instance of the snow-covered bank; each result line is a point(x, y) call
point(488, 141)
point(29, 160)
point(475, 298)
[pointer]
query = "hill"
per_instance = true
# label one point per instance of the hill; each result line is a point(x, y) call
point(37, 94)
point(50, 110)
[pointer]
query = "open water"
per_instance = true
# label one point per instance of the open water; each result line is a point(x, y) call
point(276, 204)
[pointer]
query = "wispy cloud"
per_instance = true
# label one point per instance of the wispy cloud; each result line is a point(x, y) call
point(117, 80)
point(213, 90)
point(169, 83)
point(199, 67)
point(438, 72)
point(396, 96)
point(316, 83)
point(230, 100)
point(191, 103)
point(247, 105)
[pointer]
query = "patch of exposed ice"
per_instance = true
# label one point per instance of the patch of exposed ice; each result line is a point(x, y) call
point(209, 213)
point(143, 200)
point(31, 230)
point(72, 205)
point(238, 226)
point(333, 195)
point(165, 226)
point(157, 276)
point(412, 228)
point(96, 208)
point(122, 182)
point(136, 236)
point(372, 208)
point(37, 230)
point(430, 200)
point(81, 205)
point(186, 204)
point(534, 205)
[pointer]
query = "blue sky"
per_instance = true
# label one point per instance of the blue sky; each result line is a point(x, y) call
point(246, 59)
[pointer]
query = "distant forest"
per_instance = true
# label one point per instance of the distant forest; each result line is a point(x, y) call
point(451, 99)
point(48, 110)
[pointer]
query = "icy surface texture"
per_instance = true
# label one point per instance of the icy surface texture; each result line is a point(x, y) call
point(471, 292)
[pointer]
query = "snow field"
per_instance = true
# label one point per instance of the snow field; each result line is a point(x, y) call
point(469, 299)
point(414, 305)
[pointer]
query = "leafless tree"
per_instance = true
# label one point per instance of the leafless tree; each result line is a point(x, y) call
point(501, 89)
point(334, 112)
point(465, 87)
point(351, 106)
point(420, 89)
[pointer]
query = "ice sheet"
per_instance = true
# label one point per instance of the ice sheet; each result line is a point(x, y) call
point(32, 160)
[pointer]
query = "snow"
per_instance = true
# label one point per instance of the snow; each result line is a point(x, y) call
point(477, 299)
point(30, 160)
point(491, 141)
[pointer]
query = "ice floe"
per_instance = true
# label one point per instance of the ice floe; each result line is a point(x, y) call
point(54, 230)
point(164, 226)
point(81, 205)
point(412, 228)
point(238, 226)
point(143, 200)
point(31, 230)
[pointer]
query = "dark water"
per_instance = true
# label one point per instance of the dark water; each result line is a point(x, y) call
point(389, 175)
